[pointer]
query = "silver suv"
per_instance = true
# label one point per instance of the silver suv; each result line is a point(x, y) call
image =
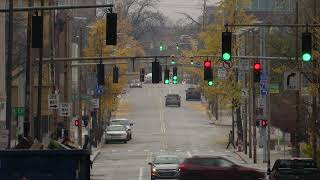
point(126, 123)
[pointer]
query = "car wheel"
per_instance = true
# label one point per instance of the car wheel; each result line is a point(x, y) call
point(125, 142)
point(153, 178)
point(194, 177)
point(106, 142)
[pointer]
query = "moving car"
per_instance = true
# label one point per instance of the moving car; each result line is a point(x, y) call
point(193, 94)
point(294, 169)
point(217, 168)
point(115, 133)
point(126, 123)
point(165, 167)
point(135, 84)
point(173, 100)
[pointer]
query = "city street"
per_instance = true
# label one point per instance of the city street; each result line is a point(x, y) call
point(185, 131)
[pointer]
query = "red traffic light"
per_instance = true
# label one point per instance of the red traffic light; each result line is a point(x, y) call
point(264, 123)
point(207, 64)
point(257, 66)
point(77, 122)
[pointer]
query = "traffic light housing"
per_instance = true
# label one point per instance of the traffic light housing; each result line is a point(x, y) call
point(155, 72)
point(207, 65)
point(191, 62)
point(264, 123)
point(100, 74)
point(257, 123)
point(177, 46)
point(306, 47)
point(256, 72)
point(161, 47)
point(111, 29)
point(167, 76)
point(37, 31)
point(175, 75)
point(142, 74)
point(160, 73)
point(115, 74)
point(226, 46)
point(77, 122)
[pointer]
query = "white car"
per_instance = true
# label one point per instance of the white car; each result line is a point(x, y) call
point(126, 123)
point(116, 133)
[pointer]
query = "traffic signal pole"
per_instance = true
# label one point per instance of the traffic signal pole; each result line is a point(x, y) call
point(8, 73)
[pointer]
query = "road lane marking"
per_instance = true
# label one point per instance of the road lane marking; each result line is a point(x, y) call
point(162, 150)
point(189, 154)
point(113, 150)
point(146, 150)
point(178, 150)
point(130, 150)
point(141, 173)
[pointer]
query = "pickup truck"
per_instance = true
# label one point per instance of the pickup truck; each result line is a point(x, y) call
point(294, 169)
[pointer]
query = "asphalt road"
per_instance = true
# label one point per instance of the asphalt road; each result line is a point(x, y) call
point(185, 131)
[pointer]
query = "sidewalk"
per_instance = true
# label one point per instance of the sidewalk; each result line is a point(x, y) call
point(274, 155)
point(95, 152)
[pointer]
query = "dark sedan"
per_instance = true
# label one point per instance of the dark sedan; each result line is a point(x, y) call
point(173, 100)
point(164, 167)
point(217, 168)
point(193, 94)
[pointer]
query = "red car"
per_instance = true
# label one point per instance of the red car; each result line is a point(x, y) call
point(216, 168)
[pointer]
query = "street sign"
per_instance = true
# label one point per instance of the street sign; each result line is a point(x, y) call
point(65, 109)
point(291, 80)
point(274, 89)
point(222, 73)
point(244, 92)
point(18, 111)
point(263, 76)
point(263, 88)
point(261, 102)
point(53, 101)
point(227, 64)
point(244, 65)
point(99, 90)
point(95, 103)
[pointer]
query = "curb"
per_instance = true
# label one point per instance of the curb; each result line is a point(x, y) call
point(95, 155)
point(243, 159)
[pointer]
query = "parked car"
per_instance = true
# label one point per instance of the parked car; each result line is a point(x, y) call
point(173, 100)
point(115, 133)
point(165, 167)
point(294, 169)
point(193, 94)
point(135, 84)
point(125, 122)
point(216, 168)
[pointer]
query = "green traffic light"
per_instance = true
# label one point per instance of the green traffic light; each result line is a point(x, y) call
point(306, 57)
point(175, 82)
point(167, 81)
point(161, 48)
point(210, 83)
point(192, 63)
point(226, 56)
point(173, 62)
point(175, 78)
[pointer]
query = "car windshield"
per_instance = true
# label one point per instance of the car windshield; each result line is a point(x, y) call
point(166, 160)
point(120, 122)
point(297, 164)
point(116, 128)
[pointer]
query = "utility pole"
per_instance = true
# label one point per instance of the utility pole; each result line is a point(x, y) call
point(8, 73)
point(80, 89)
point(254, 109)
point(38, 128)
point(315, 97)
point(295, 137)
point(28, 82)
point(52, 65)
point(204, 14)
point(66, 70)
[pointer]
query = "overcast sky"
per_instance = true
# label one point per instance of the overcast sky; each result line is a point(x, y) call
point(171, 8)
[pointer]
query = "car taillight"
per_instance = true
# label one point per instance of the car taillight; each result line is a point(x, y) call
point(182, 167)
